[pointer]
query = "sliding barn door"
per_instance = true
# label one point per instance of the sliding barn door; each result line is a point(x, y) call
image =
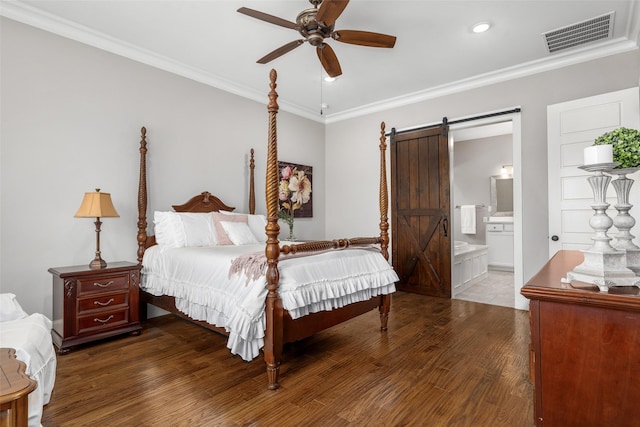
point(421, 243)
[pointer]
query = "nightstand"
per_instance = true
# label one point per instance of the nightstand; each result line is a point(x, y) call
point(92, 304)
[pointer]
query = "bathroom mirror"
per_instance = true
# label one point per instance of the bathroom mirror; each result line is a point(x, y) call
point(501, 195)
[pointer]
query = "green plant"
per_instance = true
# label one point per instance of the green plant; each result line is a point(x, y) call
point(626, 146)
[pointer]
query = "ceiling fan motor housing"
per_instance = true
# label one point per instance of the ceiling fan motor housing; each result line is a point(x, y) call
point(312, 30)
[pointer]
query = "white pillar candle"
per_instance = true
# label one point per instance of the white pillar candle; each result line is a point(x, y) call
point(598, 154)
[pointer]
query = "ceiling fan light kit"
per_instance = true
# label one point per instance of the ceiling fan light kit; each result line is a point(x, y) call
point(317, 24)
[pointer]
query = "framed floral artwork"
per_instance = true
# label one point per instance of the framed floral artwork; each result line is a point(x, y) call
point(295, 191)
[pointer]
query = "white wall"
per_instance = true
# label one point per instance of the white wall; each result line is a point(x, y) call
point(352, 144)
point(70, 122)
point(474, 162)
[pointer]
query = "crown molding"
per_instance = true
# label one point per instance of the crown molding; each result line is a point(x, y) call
point(557, 61)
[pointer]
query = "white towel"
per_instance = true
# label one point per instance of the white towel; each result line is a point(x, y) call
point(468, 219)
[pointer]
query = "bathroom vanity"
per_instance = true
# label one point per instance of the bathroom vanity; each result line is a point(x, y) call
point(499, 238)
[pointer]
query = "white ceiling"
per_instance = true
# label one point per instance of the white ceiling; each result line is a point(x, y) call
point(436, 52)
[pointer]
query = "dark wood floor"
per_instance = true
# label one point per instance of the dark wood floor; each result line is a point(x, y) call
point(441, 363)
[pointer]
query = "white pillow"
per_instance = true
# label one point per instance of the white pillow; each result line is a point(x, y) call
point(180, 229)
point(239, 233)
point(198, 228)
point(221, 235)
point(10, 309)
point(168, 229)
point(257, 224)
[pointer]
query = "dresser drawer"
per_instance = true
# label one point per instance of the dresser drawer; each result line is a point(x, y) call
point(102, 302)
point(103, 283)
point(102, 320)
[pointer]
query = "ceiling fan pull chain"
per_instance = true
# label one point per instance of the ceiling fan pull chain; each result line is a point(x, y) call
point(321, 101)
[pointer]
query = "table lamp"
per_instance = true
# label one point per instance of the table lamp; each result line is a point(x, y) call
point(97, 205)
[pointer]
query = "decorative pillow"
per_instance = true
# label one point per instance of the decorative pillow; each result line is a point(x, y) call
point(198, 228)
point(221, 235)
point(239, 232)
point(10, 309)
point(257, 224)
point(168, 229)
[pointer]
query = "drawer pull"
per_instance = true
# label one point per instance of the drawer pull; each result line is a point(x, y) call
point(102, 304)
point(103, 285)
point(103, 321)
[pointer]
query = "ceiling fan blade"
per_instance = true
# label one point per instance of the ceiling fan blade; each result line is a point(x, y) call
point(329, 60)
point(364, 38)
point(280, 51)
point(268, 18)
point(330, 10)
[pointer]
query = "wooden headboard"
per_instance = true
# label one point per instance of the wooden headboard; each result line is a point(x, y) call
point(203, 202)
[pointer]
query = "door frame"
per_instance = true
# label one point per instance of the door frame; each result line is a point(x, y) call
point(520, 302)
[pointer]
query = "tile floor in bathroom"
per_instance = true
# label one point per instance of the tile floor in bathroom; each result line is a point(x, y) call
point(497, 289)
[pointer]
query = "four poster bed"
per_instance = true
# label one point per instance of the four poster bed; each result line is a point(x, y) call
point(279, 294)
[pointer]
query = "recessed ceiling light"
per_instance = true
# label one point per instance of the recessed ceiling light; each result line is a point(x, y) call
point(481, 27)
point(329, 79)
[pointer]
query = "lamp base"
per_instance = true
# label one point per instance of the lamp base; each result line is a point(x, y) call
point(97, 264)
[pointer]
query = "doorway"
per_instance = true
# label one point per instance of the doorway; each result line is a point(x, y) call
point(486, 260)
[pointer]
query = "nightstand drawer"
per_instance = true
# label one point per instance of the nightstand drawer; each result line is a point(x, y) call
point(102, 302)
point(103, 283)
point(102, 320)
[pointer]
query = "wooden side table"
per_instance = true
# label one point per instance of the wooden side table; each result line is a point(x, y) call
point(91, 304)
point(15, 387)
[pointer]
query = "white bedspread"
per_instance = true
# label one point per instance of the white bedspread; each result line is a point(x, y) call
point(198, 278)
point(31, 338)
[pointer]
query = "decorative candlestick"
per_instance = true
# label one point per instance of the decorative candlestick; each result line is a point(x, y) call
point(603, 265)
point(624, 222)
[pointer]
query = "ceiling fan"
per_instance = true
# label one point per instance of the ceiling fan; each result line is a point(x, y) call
point(316, 24)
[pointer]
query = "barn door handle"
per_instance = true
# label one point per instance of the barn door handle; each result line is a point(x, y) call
point(445, 224)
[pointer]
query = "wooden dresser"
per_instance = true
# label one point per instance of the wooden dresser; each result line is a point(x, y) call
point(585, 349)
point(91, 304)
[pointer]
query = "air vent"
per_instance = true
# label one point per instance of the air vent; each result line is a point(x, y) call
point(584, 32)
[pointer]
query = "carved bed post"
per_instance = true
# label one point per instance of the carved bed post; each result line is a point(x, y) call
point(273, 340)
point(384, 197)
point(385, 300)
point(142, 196)
point(252, 190)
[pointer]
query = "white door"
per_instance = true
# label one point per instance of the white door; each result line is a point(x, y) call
point(572, 126)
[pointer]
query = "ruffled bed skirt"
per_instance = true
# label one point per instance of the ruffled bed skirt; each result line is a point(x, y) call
point(307, 285)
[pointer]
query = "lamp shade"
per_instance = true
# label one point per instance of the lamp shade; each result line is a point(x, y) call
point(96, 205)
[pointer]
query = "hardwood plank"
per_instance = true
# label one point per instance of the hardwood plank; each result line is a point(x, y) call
point(442, 362)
